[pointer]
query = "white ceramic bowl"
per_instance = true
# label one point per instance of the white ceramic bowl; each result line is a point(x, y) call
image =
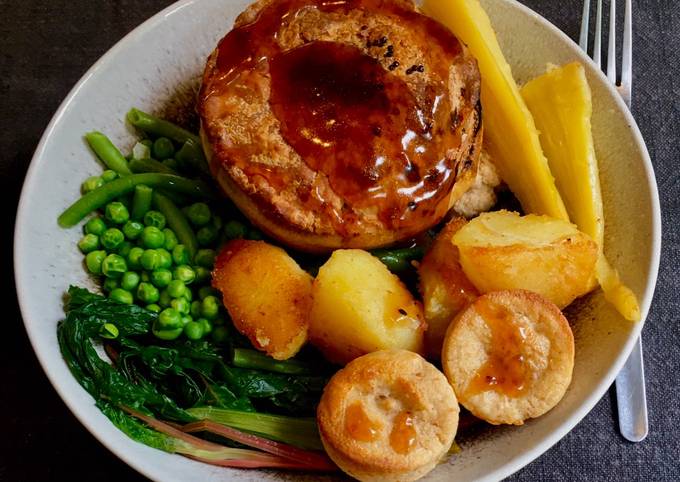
point(146, 68)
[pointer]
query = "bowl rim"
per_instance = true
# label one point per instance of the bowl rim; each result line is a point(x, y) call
point(514, 465)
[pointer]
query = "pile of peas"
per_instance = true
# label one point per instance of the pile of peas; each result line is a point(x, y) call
point(141, 260)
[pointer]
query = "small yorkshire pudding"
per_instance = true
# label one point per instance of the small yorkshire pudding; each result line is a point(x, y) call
point(349, 124)
point(387, 416)
point(509, 356)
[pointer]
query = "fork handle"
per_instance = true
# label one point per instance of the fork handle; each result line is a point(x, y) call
point(631, 397)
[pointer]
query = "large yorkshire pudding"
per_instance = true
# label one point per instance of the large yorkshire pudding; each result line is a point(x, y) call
point(351, 123)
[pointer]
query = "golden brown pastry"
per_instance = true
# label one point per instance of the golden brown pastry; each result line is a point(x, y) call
point(509, 356)
point(341, 124)
point(388, 416)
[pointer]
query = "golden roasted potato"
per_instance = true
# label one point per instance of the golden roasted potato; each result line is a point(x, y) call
point(359, 307)
point(444, 287)
point(267, 295)
point(505, 251)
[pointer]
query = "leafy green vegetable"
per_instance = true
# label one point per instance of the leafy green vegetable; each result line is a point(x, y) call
point(169, 380)
point(301, 432)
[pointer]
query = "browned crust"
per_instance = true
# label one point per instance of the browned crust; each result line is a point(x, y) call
point(388, 382)
point(312, 229)
point(268, 296)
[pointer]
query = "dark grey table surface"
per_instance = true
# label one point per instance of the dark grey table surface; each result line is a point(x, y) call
point(44, 49)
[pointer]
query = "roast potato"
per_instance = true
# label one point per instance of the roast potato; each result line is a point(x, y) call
point(267, 295)
point(505, 251)
point(443, 285)
point(359, 307)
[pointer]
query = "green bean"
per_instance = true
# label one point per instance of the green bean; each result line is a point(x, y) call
point(159, 127)
point(107, 152)
point(245, 358)
point(398, 260)
point(141, 202)
point(110, 191)
point(191, 155)
point(150, 165)
point(177, 222)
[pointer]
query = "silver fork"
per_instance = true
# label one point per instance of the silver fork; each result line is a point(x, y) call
point(630, 383)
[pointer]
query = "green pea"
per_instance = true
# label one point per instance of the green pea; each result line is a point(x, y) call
point(176, 288)
point(147, 293)
point(165, 299)
point(198, 214)
point(129, 280)
point(155, 219)
point(210, 307)
point(111, 284)
point(91, 183)
point(124, 248)
point(153, 307)
point(161, 278)
point(121, 296)
point(207, 326)
point(188, 294)
point(206, 235)
point(88, 243)
point(185, 273)
point(109, 175)
point(145, 277)
point(133, 229)
point(193, 330)
point(165, 258)
point(202, 274)
point(134, 257)
point(207, 291)
point(170, 239)
point(114, 266)
point(163, 148)
point(205, 258)
point(94, 260)
point(195, 309)
point(112, 238)
point(109, 331)
point(152, 237)
point(220, 334)
point(181, 305)
point(95, 226)
point(169, 319)
point(167, 335)
point(149, 259)
point(116, 212)
point(235, 229)
point(180, 255)
point(147, 142)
